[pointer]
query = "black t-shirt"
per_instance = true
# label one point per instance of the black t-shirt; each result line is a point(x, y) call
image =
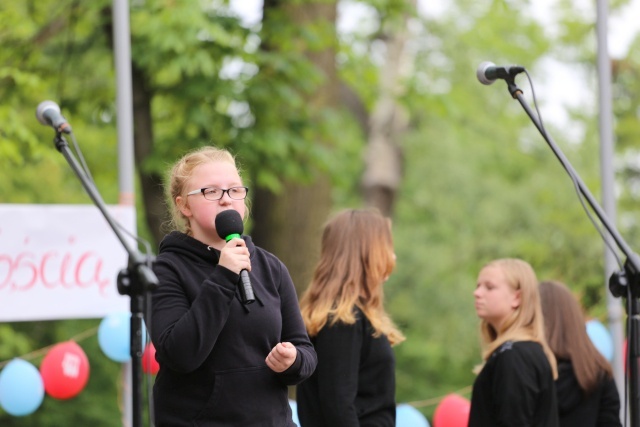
point(515, 388)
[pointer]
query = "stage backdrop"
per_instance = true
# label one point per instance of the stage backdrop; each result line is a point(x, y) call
point(61, 261)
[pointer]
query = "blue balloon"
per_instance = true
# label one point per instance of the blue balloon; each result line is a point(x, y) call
point(601, 338)
point(21, 388)
point(114, 335)
point(294, 411)
point(408, 416)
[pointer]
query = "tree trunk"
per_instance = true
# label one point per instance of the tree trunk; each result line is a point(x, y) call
point(151, 183)
point(289, 224)
point(384, 162)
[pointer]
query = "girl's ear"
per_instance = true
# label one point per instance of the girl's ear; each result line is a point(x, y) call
point(183, 206)
point(515, 303)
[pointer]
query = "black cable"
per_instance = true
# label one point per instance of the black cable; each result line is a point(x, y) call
point(576, 184)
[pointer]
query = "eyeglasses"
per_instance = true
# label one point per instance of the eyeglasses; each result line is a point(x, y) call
point(213, 194)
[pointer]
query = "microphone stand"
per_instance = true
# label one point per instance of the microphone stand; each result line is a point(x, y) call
point(134, 280)
point(624, 283)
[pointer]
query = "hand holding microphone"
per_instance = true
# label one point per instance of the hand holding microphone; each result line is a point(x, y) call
point(235, 256)
point(229, 226)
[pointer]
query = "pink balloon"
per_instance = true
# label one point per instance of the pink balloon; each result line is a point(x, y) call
point(65, 370)
point(149, 362)
point(452, 411)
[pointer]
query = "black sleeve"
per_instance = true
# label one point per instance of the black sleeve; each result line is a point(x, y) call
point(184, 334)
point(294, 331)
point(338, 349)
point(609, 408)
point(515, 388)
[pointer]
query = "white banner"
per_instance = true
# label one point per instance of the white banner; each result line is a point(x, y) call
point(61, 261)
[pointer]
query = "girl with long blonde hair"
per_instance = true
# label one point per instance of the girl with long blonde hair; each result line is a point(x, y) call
point(343, 310)
point(515, 386)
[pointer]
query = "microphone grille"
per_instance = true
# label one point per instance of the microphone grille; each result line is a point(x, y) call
point(44, 106)
point(480, 72)
point(229, 222)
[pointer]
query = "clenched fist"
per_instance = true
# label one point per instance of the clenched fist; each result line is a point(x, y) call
point(281, 357)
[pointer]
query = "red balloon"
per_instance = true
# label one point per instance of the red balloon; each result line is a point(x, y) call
point(149, 363)
point(452, 411)
point(65, 370)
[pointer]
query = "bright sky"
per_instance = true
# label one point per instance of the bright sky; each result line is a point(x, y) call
point(623, 25)
point(566, 84)
point(562, 85)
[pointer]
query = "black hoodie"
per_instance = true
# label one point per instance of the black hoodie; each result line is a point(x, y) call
point(599, 409)
point(212, 348)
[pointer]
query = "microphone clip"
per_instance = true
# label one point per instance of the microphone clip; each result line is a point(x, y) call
point(509, 72)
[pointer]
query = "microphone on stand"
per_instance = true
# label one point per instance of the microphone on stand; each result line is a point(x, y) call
point(48, 113)
point(488, 72)
point(229, 226)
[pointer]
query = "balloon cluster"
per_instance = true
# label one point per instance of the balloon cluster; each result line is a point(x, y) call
point(64, 371)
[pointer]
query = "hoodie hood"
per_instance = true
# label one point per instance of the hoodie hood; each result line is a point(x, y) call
point(196, 253)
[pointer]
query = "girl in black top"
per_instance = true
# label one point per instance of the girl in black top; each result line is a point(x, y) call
point(354, 383)
point(515, 386)
point(222, 362)
point(587, 393)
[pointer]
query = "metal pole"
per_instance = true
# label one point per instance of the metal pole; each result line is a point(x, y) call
point(614, 307)
point(124, 111)
point(124, 100)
